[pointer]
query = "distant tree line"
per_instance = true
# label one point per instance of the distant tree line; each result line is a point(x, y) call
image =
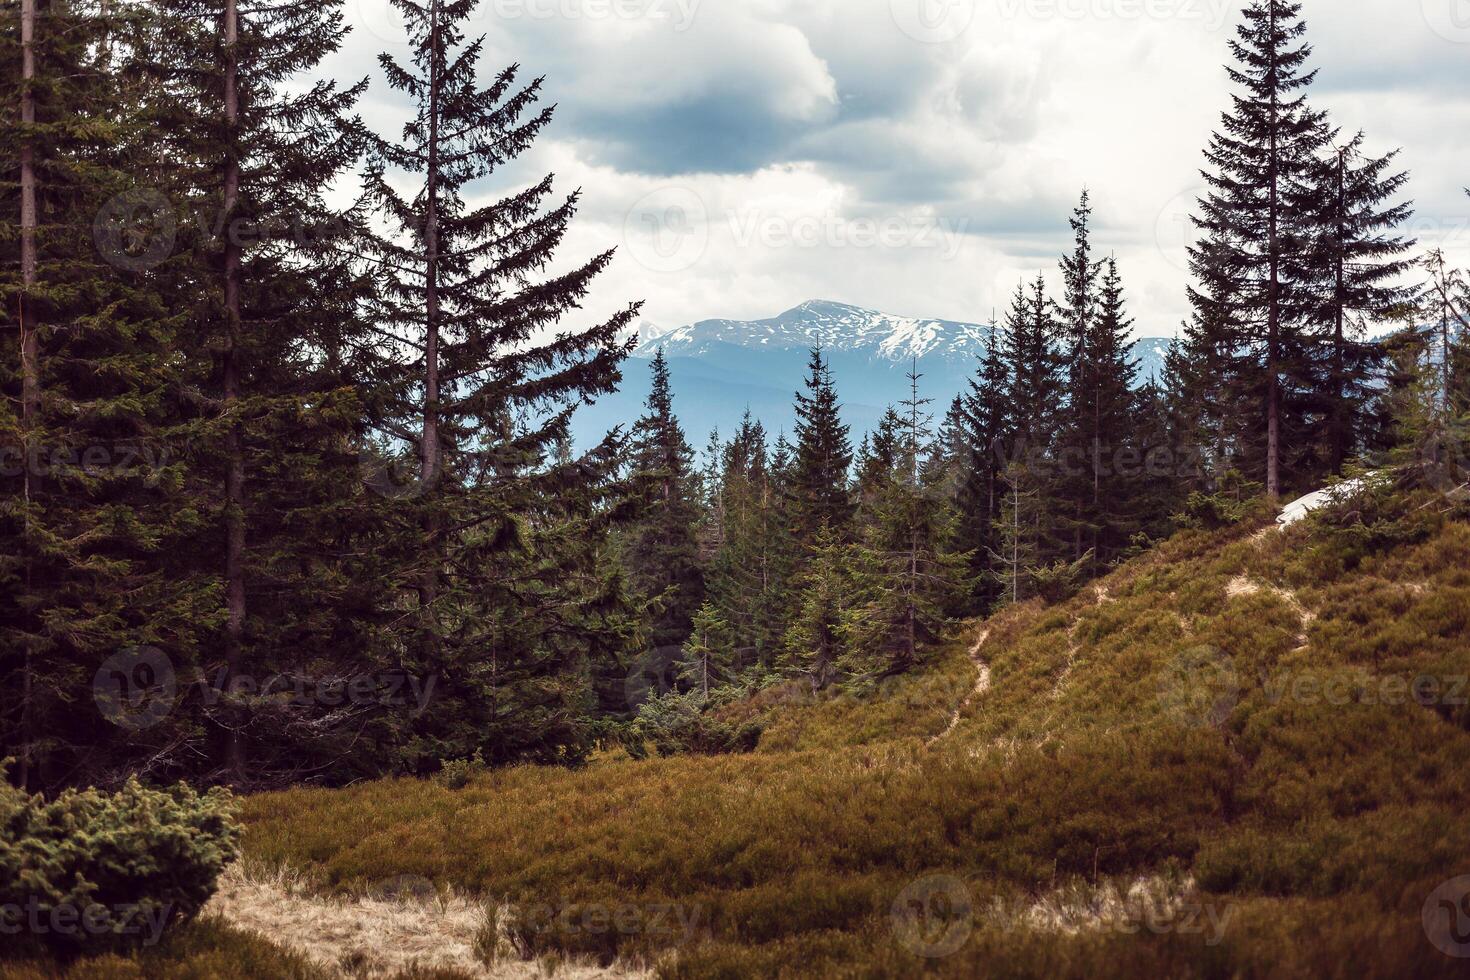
point(1309, 352)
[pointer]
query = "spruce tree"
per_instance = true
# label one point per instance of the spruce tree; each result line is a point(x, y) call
point(815, 641)
point(1077, 314)
point(1210, 374)
point(1352, 274)
point(662, 553)
point(819, 485)
point(987, 447)
point(747, 579)
point(708, 654)
point(1167, 470)
point(1018, 552)
point(1034, 368)
point(262, 277)
point(482, 376)
point(1080, 273)
point(1256, 229)
point(878, 456)
point(905, 575)
point(89, 371)
point(1034, 393)
point(1108, 418)
point(1445, 305)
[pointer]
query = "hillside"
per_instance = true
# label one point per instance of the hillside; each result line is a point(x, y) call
point(1239, 754)
point(720, 368)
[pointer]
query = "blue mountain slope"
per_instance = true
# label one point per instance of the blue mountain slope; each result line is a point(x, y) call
point(719, 368)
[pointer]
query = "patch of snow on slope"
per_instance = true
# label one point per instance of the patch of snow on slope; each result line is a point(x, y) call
point(1300, 508)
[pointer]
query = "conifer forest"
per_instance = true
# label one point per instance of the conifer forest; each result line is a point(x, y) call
point(360, 574)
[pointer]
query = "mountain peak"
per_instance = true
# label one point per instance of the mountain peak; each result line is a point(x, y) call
point(827, 307)
point(831, 326)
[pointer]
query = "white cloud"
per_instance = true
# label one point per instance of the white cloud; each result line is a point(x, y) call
point(828, 119)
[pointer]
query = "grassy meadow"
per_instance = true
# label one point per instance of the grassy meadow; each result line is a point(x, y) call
point(1241, 754)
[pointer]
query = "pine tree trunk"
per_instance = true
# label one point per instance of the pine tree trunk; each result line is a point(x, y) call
point(1273, 301)
point(1016, 544)
point(1339, 393)
point(30, 367)
point(234, 442)
point(1096, 463)
point(1444, 330)
point(913, 638)
point(431, 453)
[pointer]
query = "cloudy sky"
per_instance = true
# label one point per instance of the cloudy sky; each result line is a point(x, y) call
point(920, 156)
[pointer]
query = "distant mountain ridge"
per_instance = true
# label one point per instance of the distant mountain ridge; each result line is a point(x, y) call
point(721, 368)
point(831, 326)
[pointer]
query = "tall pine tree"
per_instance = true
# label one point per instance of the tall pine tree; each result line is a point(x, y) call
point(89, 370)
point(819, 488)
point(1352, 279)
point(482, 380)
point(662, 553)
point(904, 571)
point(1107, 416)
point(262, 277)
point(1256, 230)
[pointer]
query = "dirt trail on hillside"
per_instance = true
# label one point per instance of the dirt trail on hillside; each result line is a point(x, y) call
point(1244, 585)
point(378, 937)
point(982, 684)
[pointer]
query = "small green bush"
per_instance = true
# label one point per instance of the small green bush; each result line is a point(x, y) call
point(93, 870)
point(679, 723)
point(459, 773)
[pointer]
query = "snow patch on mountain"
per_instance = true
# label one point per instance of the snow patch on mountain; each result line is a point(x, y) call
point(831, 326)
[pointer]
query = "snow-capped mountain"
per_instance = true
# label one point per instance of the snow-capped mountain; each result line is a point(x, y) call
point(721, 368)
point(835, 327)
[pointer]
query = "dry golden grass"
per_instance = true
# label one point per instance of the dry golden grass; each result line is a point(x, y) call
point(396, 929)
point(1216, 719)
point(1097, 748)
